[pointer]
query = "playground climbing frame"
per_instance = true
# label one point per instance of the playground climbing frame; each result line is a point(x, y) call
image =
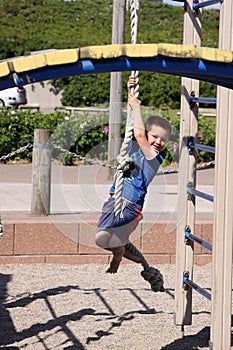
point(221, 293)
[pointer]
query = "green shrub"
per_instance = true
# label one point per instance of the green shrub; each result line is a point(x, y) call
point(17, 129)
point(83, 134)
point(205, 136)
point(80, 134)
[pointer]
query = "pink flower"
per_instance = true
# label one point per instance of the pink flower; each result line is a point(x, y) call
point(199, 136)
point(106, 130)
point(175, 147)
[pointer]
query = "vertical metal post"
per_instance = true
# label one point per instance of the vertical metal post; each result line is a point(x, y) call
point(115, 108)
point(187, 173)
point(223, 218)
point(41, 173)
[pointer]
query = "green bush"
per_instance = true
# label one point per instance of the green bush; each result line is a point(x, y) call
point(17, 129)
point(80, 134)
point(205, 136)
point(83, 134)
point(207, 129)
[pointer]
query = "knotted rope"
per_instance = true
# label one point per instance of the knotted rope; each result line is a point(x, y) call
point(134, 8)
point(150, 274)
point(123, 160)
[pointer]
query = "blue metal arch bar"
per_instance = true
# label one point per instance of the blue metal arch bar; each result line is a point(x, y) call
point(218, 73)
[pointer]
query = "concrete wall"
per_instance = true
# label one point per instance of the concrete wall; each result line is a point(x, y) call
point(44, 95)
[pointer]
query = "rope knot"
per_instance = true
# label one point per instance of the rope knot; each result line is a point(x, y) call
point(124, 163)
point(154, 277)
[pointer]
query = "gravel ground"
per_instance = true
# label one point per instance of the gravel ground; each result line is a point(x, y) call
point(80, 307)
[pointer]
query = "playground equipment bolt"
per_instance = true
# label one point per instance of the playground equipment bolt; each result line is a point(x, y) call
point(195, 11)
point(186, 239)
point(185, 277)
point(190, 196)
point(191, 103)
point(1, 229)
point(190, 144)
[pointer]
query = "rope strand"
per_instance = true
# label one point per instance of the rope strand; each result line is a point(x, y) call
point(123, 160)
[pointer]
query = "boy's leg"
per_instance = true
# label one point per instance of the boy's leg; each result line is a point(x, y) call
point(118, 253)
point(109, 241)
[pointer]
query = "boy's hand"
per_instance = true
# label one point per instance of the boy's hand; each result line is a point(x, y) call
point(133, 100)
point(131, 83)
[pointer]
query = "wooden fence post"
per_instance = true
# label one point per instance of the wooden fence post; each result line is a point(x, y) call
point(41, 173)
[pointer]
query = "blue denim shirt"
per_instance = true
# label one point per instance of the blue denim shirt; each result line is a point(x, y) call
point(137, 179)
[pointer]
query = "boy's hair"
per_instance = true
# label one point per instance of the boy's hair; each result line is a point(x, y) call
point(160, 121)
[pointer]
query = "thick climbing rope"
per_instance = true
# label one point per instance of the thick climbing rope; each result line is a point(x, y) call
point(150, 274)
point(123, 159)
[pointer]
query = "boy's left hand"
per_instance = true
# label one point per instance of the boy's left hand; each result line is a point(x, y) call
point(133, 100)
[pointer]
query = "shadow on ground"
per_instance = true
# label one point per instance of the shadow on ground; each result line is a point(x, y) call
point(9, 335)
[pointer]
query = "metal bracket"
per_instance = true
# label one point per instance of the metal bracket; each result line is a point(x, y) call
point(186, 238)
point(190, 196)
point(190, 145)
point(185, 278)
point(192, 103)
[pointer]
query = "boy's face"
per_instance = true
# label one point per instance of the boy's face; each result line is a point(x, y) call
point(157, 137)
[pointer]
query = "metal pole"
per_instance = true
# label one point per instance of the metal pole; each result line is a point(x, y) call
point(205, 4)
point(115, 108)
point(194, 99)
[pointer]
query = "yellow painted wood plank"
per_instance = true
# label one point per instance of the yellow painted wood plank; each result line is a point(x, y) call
point(114, 51)
point(59, 57)
point(62, 57)
point(142, 50)
point(215, 55)
point(99, 52)
point(179, 51)
point(4, 69)
point(152, 50)
point(26, 63)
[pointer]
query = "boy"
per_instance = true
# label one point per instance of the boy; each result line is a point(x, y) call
point(144, 149)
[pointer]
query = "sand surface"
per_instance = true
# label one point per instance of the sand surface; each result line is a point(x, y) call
point(81, 307)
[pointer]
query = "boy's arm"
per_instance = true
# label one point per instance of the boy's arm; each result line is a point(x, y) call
point(139, 128)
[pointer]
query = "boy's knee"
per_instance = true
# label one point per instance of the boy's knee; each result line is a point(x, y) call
point(102, 239)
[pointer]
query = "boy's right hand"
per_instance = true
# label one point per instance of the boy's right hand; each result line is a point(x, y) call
point(131, 83)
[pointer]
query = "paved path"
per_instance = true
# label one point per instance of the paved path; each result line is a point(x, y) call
point(84, 188)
